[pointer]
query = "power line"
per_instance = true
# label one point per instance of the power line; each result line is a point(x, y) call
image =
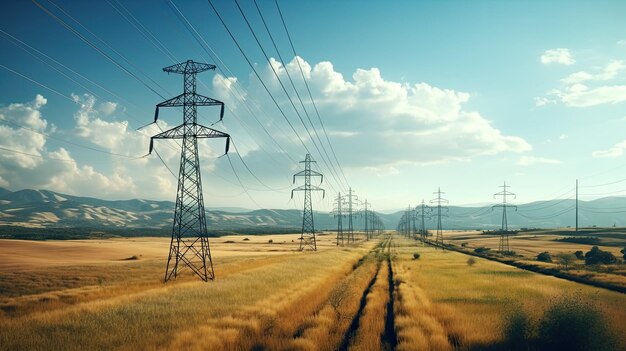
point(331, 169)
point(309, 90)
point(295, 89)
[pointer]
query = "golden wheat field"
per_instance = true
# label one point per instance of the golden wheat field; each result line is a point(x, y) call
point(374, 295)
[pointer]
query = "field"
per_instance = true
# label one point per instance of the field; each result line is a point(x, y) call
point(108, 294)
point(527, 245)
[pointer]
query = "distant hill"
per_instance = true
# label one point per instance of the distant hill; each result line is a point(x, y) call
point(49, 209)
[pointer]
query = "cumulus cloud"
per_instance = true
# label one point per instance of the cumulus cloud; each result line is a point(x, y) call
point(583, 89)
point(561, 56)
point(377, 122)
point(532, 160)
point(37, 165)
point(615, 151)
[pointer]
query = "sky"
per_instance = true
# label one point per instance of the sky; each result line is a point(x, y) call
point(413, 96)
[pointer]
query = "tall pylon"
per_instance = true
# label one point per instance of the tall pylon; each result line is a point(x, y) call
point(190, 243)
point(504, 229)
point(423, 209)
point(307, 238)
point(366, 209)
point(338, 213)
point(439, 201)
point(352, 201)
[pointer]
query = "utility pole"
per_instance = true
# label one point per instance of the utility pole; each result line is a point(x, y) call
point(439, 201)
point(576, 205)
point(307, 238)
point(413, 219)
point(339, 215)
point(504, 230)
point(189, 245)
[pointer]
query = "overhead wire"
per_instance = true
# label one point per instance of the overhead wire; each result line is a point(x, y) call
point(331, 169)
point(306, 84)
point(280, 57)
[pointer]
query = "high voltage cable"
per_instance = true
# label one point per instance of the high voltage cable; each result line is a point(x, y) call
point(605, 184)
point(295, 89)
point(240, 183)
point(204, 45)
point(173, 58)
point(259, 77)
point(39, 156)
point(287, 94)
point(88, 42)
point(109, 46)
point(70, 142)
point(556, 214)
point(308, 89)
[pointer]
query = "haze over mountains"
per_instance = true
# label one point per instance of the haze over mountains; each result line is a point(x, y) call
point(49, 209)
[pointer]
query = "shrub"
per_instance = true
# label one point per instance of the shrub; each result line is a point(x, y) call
point(596, 256)
point(270, 241)
point(471, 261)
point(416, 256)
point(481, 249)
point(571, 324)
point(229, 242)
point(464, 244)
point(624, 252)
point(517, 330)
point(579, 255)
point(246, 239)
point(544, 257)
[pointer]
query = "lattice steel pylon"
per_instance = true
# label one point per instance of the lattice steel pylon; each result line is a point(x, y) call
point(439, 201)
point(504, 229)
point(190, 243)
point(352, 201)
point(307, 238)
point(338, 213)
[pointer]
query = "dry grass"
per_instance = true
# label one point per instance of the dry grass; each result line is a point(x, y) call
point(443, 303)
point(271, 299)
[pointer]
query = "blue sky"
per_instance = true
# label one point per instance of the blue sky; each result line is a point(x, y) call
point(414, 95)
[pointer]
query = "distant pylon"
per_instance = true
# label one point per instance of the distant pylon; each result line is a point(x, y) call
point(439, 201)
point(423, 209)
point(190, 243)
point(338, 213)
point(351, 202)
point(504, 229)
point(367, 232)
point(307, 238)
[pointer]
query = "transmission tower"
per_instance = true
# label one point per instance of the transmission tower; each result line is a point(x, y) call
point(439, 201)
point(504, 230)
point(337, 212)
point(190, 243)
point(307, 238)
point(352, 201)
point(423, 209)
point(367, 232)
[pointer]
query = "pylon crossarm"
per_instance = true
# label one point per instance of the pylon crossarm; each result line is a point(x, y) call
point(189, 67)
point(197, 130)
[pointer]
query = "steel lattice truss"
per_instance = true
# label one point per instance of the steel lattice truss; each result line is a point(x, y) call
point(307, 238)
point(189, 246)
point(504, 230)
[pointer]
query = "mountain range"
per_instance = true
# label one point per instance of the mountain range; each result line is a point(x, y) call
point(49, 209)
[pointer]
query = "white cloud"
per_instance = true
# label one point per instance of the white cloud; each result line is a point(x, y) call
point(119, 177)
point(563, 136)
point(377, 122)
point(615, 151)
point(622, 42)
point(532, 160)
point(560, 56)
point(583, 89)
point(542, 101)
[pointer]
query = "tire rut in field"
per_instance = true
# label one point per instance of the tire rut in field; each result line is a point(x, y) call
point(354, 325)
point(389, 338)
